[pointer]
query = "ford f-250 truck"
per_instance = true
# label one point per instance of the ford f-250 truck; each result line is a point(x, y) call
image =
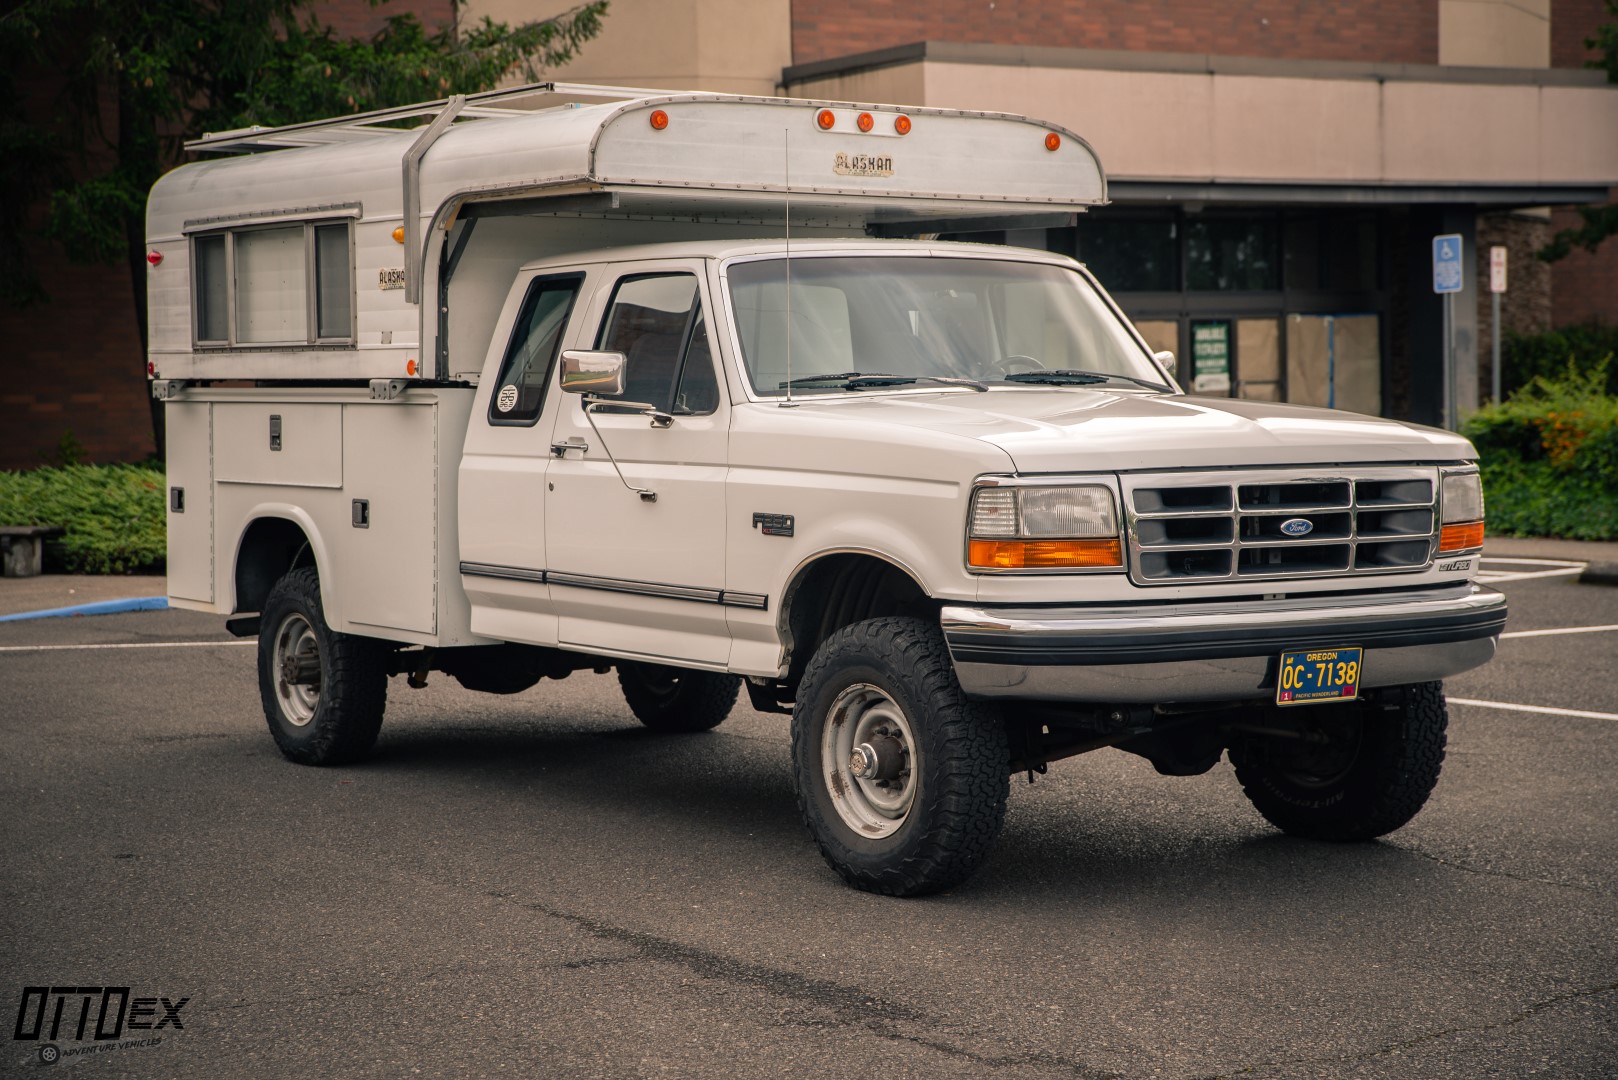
point(684, 385)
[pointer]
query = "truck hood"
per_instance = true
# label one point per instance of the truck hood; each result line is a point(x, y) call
point(1085, 430)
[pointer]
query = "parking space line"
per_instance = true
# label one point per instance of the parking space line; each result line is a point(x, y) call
point(1561, 630)
point(1584, 713)
point(130, 645)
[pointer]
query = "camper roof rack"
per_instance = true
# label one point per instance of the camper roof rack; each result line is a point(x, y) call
point(490, 104)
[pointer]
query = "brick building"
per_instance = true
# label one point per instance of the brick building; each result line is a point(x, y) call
point(1277, 170)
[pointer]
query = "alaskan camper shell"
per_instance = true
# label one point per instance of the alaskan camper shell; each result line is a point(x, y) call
point(574, 177)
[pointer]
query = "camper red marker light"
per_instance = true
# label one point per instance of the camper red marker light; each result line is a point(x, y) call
point(154, 257)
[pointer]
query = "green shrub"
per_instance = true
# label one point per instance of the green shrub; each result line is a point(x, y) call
point(1524, 357)
point(1549, 455)
point(114, 514)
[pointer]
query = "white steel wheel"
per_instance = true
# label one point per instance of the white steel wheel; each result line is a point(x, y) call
point(871, 760)
point(296, 650)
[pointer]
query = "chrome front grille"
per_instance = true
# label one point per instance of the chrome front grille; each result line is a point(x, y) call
point(1279, 523)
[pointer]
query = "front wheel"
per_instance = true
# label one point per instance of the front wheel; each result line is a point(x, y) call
point(671, 699)
point(324, 692)
point(1357, 771)
point(902, 780)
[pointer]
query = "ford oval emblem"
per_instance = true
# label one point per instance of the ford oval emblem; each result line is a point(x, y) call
point(1297, 526)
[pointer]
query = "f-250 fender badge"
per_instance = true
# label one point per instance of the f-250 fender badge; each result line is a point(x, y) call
point(1458, 564)
point(774, 524)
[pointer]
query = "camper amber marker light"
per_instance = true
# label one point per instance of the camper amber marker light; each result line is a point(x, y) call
point(660, 119)
point(901, 124)
point(826, 119)
point(1052, 141)
point(865, 122)
point(398, 235)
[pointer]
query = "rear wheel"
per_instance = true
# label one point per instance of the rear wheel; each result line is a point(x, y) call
point(1360, 770)
point(901, 779)
point(675, 699)
point(324, 692)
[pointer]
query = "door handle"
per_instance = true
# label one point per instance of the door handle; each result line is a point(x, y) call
point(573, 442)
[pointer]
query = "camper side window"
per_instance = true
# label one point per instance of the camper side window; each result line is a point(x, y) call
point(273, 285)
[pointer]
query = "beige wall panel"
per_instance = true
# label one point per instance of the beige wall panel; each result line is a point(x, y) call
point(1306, 360)
point(1258, 352)
point(1358, 347)
point(735, 46)
point(1162, 335)
point(1142, 124)
point(1295, 129)
point(899, 85)
point(1578, 132)
point(1461, 131)
point(1495, 33)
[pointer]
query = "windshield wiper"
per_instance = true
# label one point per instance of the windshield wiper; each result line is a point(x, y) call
point(1072, 376)
point(860, 380)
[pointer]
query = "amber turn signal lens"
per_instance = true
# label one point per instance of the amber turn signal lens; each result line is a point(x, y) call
point(1052, 141)
point(865, 122)
point(398, 234)
point(826, 119)
point(1046, 554)
point(902, 125)
point(410, 367)
point(660, 119)
point(1461, 537)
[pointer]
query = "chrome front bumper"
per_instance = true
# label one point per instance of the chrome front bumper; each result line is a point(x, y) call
point(1221, 651)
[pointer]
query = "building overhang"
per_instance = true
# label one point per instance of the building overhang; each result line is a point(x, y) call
point(1194, 127)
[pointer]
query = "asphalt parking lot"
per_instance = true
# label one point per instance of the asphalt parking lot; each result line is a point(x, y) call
point(534, 885)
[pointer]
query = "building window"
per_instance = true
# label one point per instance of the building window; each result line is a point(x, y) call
point(1130, 254)
point(277, 285)
point(1232, 254)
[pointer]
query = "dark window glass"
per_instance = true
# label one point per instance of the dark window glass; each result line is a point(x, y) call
point(1232, 255)
point(210, 281)
point(1131, 254)
point(1335, 253)
point(656, 321)
point(334, 292)
point(519, 393)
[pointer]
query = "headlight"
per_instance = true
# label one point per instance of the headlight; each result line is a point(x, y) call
point(1072, 527)
point(1461, 506)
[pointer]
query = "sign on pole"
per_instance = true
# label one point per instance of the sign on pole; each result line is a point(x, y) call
point(1497, 285)
point(1497, 269)
point(1447, 263)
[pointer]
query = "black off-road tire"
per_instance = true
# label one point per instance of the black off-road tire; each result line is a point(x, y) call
point(962, 781)
point(351, 695)
point(675, 700)
point(1389, 766)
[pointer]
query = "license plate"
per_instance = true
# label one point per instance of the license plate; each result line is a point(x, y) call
point(1308, 676)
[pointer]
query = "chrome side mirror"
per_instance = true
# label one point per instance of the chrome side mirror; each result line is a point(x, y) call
point(588, 372)
point(1165, 360)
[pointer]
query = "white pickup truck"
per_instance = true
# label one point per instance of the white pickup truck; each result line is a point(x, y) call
point(684, 385)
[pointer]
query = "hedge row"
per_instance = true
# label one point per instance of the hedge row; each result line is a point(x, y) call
point(1549, 455)
point(114, 515)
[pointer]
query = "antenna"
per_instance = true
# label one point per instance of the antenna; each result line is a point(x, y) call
point(786, 170)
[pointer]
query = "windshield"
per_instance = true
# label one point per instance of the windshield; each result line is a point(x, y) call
point(867, 322)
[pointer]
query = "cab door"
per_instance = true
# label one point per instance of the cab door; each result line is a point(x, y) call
point(628, 574)
point(501, 501)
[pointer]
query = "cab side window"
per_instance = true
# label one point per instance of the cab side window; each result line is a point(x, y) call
point(657, 322)
point(519, 393)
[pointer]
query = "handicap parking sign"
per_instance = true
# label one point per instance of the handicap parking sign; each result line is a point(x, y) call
point(1447, 263)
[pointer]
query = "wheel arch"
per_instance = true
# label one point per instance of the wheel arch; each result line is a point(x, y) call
point(277, 539)
point(839, 587)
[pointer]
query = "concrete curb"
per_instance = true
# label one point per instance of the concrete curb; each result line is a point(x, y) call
point(101, 607)
point(1599, 573)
